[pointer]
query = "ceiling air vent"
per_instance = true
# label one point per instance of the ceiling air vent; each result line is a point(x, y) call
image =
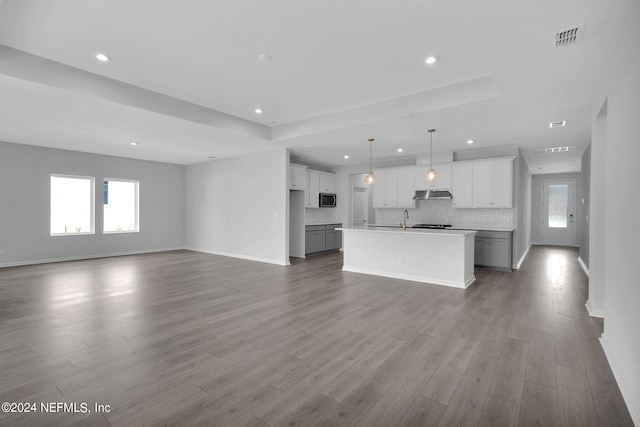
point(557, 124)
point(560, 149)
point(569, 36)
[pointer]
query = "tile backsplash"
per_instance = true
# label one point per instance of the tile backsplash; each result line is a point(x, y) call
point(442, 212)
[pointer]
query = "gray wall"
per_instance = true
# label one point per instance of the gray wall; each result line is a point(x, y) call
point(598, 212)
point(25, 204)
point(536, 204)
point(522, 198)
point(586, 204)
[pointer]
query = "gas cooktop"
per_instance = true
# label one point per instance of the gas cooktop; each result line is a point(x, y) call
point(433, 226)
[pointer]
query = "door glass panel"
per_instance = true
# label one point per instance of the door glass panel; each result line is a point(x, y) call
point(558, 204)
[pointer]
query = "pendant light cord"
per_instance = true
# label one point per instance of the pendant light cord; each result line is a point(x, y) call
point(431, 131)
point(431, 151)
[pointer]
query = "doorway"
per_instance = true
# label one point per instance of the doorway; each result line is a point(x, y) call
point(558, 212)
point(359, 208)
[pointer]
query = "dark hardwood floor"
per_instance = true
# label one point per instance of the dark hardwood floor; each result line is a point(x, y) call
point(185, 338)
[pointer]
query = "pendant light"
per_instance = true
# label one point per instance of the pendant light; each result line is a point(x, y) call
point(431, 173)
point(370, 178)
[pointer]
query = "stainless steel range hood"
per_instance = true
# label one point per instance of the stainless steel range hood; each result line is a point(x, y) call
point(433, 195)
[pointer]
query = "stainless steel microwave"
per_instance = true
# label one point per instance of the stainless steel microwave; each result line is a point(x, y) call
point(327, 200)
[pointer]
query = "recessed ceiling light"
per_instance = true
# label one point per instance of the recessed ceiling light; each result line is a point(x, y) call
point(430, 60)
point(103, 57)
point(400, 150)
point(258, 111)
point(346, 157)
point(133, 143)
point(265, 57)
point(470, 141)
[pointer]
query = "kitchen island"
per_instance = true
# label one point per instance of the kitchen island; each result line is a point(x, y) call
point(441, 257)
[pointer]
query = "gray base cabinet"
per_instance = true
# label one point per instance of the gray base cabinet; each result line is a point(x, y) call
point(322, 238)
point(493, 250)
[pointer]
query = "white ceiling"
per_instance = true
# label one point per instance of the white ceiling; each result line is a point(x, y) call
point(185, 76)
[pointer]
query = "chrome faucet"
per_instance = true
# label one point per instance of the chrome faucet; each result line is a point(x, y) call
point(403, 224)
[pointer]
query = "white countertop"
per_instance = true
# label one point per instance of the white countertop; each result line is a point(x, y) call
point(399, 230)
point(476, 227)
point(480, 227)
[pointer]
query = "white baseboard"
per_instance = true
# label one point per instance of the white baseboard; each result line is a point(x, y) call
point(431, 281)
point(551, 244)
point(83, 257)
point(632, 403)
point(584, 266)
point(240, 256)
point(593, 312)
point(519, 263)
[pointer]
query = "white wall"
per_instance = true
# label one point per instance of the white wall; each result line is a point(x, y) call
point(344, 183)
point(620, 87)
point(25, 203)
point(325, 215)
point(586, 204)
point(536, 204)
point(239, 207)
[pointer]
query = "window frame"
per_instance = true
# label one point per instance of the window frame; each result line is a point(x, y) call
point(92, 180)
point(136, 206)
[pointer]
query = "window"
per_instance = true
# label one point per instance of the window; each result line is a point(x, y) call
point(120, 206)
point(72, 200)
point(558, 205)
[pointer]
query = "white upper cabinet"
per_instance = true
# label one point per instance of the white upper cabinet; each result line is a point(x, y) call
point(503, 184)
point(297, 177)
point(327, 182)
point(313, 189)
point(493, 183)
point(442, 181)
point(406, 187)
point(462, 185)
point(394, 188)
point(318, 182)
point(385, 189)
point(483, 184)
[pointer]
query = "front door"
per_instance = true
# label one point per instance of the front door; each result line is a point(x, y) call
point(558, 209)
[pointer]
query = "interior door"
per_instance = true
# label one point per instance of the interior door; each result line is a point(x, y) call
point(359, 206)
point(558, 212)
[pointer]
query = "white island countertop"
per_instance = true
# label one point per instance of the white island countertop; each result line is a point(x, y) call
point(472, 227)
point(441, 257)
point(481, 227)
point(409, 230)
